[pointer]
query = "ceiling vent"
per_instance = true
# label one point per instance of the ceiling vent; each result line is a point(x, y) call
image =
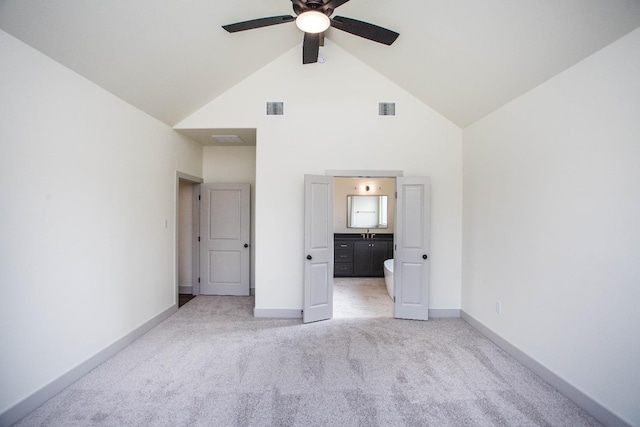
point(275, 108)
point(387, 109)
point(227, 139)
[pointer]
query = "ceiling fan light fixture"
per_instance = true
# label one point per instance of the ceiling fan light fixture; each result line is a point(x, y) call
point(313, 21)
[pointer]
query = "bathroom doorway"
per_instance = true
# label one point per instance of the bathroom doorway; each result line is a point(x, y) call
point(359, 288)
point(411, 258)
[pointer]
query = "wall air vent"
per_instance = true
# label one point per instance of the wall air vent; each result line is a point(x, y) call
point(386, 108)
point(275, 108)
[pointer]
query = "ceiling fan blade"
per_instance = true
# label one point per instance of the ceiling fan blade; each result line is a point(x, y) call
point(364, 29)
point(258, 23)
point(310, 48)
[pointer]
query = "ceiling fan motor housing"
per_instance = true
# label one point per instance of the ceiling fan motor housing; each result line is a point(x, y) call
point(316, 5)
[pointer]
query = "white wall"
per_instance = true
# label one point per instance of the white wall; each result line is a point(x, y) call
point(86, 182)
point(343, 187)
point(223, 164)
point(552, 225)
point(331, 123)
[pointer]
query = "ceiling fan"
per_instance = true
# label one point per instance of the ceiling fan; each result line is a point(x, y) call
point(313, 17)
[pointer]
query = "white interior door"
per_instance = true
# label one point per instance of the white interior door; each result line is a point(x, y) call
point(224, 239)
point(411, 258)
point(318, 243)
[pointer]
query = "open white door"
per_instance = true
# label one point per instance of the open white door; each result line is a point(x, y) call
point(318, 244)
point(411, 258)
point(224, 239)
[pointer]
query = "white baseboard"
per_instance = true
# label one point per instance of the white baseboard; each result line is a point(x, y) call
point(282, 313)
point(185, 290)
point(593, 407)
point(32, 402)
point(444, 312)
point(297, 314)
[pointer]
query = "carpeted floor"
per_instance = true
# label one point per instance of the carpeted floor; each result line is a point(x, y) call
point(214, 364)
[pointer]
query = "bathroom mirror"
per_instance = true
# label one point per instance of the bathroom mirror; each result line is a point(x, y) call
point(367, 211)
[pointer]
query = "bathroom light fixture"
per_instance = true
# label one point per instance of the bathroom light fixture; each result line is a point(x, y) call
point(313, 22)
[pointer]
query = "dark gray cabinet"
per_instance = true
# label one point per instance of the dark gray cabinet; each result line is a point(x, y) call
point(358, 257)
point(369, 256)
point(343, 258)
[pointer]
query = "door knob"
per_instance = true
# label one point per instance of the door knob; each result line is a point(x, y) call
point(424, 256)
point(246, 245)
point(308, 256)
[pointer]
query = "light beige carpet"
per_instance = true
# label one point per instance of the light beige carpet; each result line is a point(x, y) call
point(214, 364)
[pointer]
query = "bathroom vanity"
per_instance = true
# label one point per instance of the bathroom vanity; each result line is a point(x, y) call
point(361, 255)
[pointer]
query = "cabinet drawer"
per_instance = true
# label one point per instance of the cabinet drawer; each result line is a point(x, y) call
point(344, 245)
point(343, 255)
point(342, 269)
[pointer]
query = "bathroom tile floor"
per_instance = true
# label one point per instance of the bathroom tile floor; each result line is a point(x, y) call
point(355, 297)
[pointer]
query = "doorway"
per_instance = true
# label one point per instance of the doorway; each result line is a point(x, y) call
point(411, 263)
point(186, 237)
point(359, 288)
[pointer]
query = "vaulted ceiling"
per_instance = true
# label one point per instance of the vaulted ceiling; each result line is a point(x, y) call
point(463, 58)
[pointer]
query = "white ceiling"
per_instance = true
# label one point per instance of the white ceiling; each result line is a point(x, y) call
point(463, 58)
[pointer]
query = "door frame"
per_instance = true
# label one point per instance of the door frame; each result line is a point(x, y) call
point(363, 173)
point(195, 265)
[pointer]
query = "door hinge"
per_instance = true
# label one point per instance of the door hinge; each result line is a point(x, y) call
point(396, 194)
point(198, 280)
point(199, 197)
point(198, 238)
point(394, 298)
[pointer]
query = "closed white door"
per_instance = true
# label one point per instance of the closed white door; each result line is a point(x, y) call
point(224, 239)
point(411, 258)
point(318, 243)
